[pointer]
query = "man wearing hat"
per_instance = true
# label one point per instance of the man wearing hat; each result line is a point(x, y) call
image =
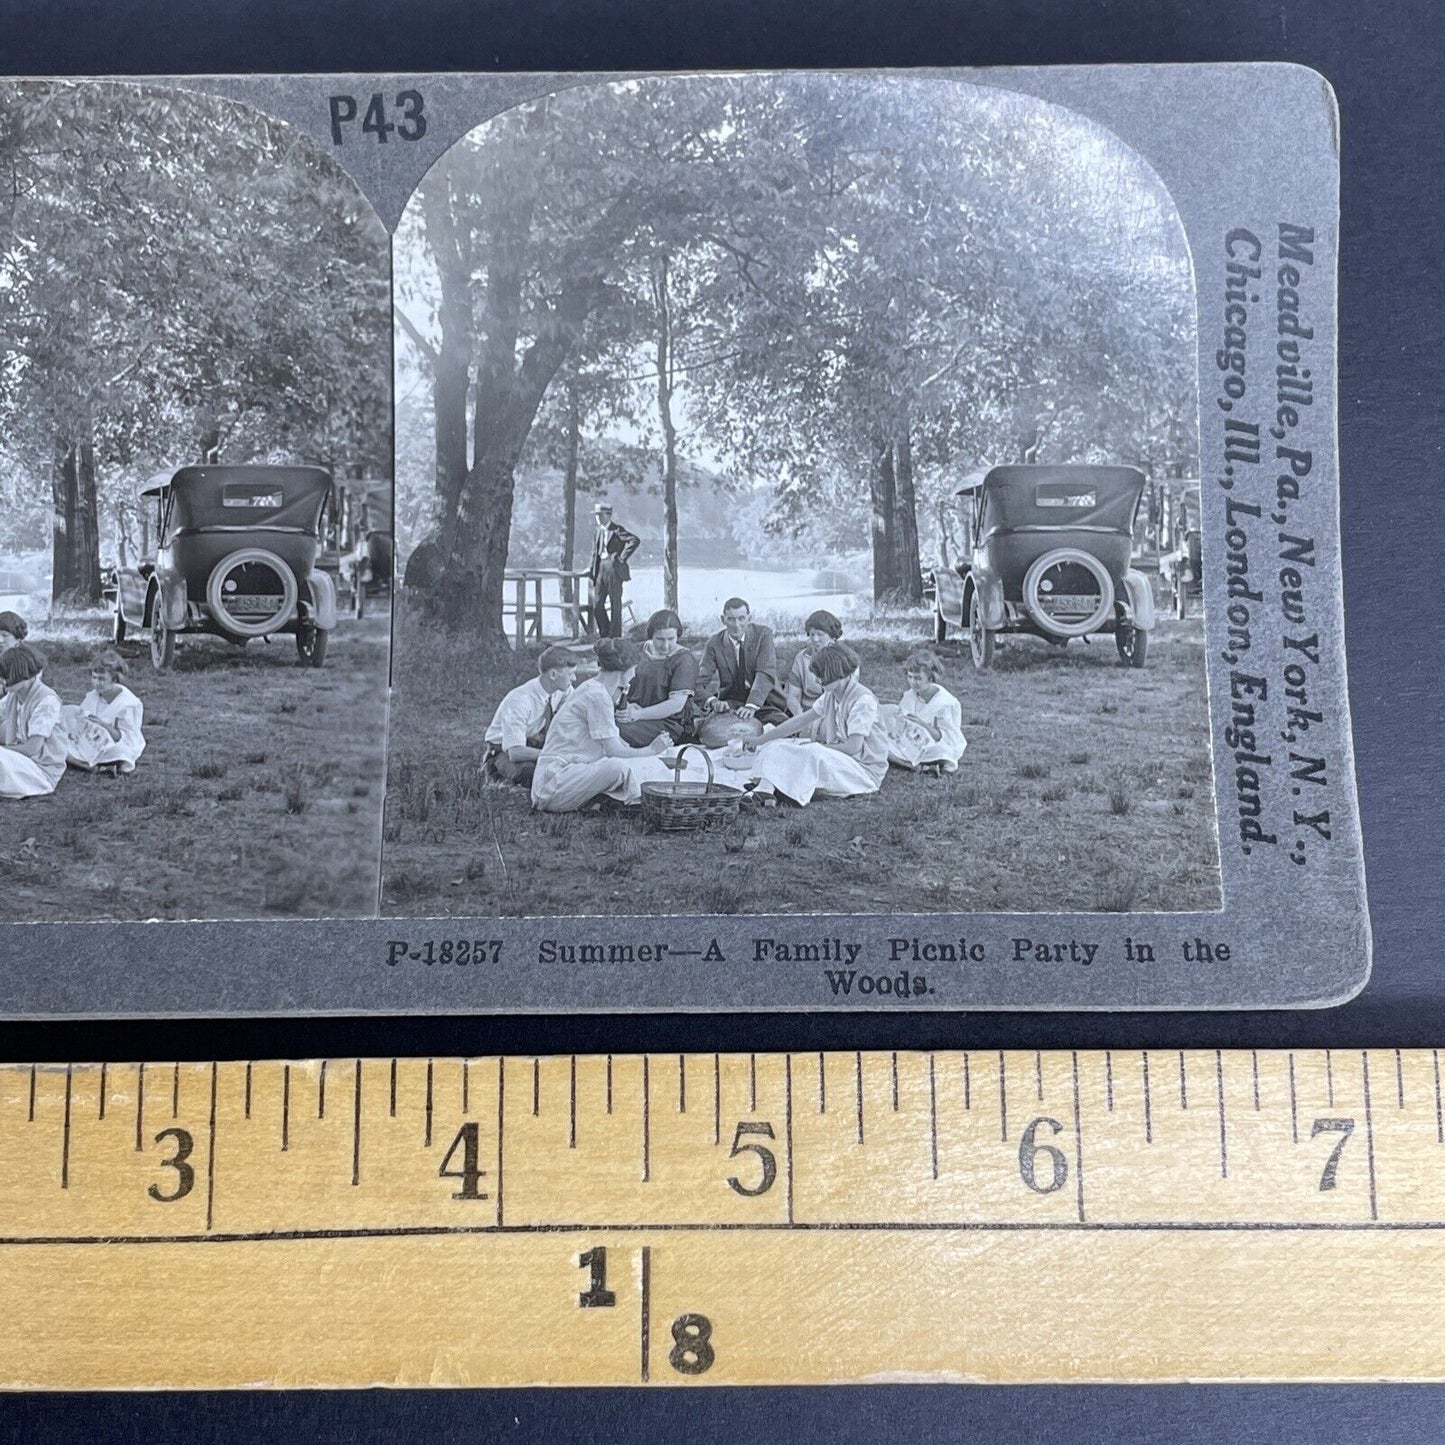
point(611, 548)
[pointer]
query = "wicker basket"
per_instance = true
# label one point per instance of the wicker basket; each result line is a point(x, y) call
point(679, 806)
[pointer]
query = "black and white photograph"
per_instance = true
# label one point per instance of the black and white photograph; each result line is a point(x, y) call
point(797, 511)
point(195, 511)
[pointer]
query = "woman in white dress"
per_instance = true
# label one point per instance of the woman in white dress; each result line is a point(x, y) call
point(13, 629)
point(32, 740)
point(837, 748)
point(105, 730)
point(926, 729)
point(584, 757)
point(801, 688)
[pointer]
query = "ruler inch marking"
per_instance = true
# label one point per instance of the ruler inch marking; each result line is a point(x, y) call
point(1293, 1101)
point(321, 1092)
point(248, 1089)
point(933, 1115)
point(536, 1087)
point(1109, 1078)
point(140, 1103)
point(645, 1312)
point(466, 1087)
point(1183, 1083)
point(752, 1083)
point(822, 1086)
point(1078, 1138)
point(858, 1089)
point(502, 1128)
point(175, 1090)
point(895, 1081)
point(646, 1123)
point(285, 1108)
point(967, 1083)
point(1039, 1075)
point(1399, 1081)
point(65, 1133)
point(1369, 1131)
point(356, 1128)
point(1329, 1078)
point(788, 1115)
point(1254, 1072)
point(682, 1083)
point(1148, 1105)
point(572, 1102)
point(393, 1090)
point(426, 1142)
point(30, 1118)
point(609, 1084)
point(211, 1154)
point(1002, 1099)
point(101, 1114)
point(716, 1099)
point(1439, 1121)
point(1219, 1086)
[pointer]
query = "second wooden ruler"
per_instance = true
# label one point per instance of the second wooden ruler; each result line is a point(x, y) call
point(724, 1219)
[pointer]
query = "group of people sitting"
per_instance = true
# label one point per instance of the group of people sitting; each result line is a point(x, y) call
point(40, 736)
point(575, 743)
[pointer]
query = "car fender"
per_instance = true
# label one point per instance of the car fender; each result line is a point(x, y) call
point(1140, 599)
point(130, 595)
point(170, 597)
point(323, 600)
point(989, 586)
point(949, 587)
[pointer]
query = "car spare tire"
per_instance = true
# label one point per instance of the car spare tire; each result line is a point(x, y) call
point(251, 592)
point(1068, 592)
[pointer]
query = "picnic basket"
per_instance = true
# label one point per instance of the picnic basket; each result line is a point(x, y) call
point(682, 805)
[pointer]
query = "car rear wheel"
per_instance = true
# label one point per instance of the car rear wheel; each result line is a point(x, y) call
point(980, 639)
point(163, 640)
point(1133, 644)
point(311, 645)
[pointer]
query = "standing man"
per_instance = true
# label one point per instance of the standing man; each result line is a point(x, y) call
point(739, 671)
point(611, 548)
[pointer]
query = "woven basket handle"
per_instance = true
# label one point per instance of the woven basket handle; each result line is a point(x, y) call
point(690, 748)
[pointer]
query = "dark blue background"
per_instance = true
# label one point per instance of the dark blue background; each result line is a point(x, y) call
point(1385, 61)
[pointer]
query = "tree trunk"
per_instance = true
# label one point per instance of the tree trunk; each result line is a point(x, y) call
point(881, 488)
point(62, 518)
point(75, 523)
point(669, 433)
point(908, 572)
point(569, 485)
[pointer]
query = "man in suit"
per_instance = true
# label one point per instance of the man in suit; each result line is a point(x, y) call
point(612, 545)
point(739, 670)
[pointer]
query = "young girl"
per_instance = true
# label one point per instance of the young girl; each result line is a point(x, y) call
point(932, 707)
point(105, 730)
point(13, 629)
point(841, 749)
point(32, 741)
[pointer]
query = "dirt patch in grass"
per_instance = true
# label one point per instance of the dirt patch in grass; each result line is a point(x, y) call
point(245, 803)
point(1028, 823)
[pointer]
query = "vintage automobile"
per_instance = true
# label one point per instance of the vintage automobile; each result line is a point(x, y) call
point(1046, 551)
point(229, 551)
point(357, 546)
point(1181, 562)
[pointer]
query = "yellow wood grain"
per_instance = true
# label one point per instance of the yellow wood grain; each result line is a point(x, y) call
point(1176, 1227)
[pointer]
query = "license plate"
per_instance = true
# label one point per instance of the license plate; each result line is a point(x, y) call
point(1065, 603)
point(253, 606)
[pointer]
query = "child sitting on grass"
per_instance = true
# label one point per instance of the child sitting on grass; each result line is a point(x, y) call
point(929, 706)
point(104, 732)
point(32, 741)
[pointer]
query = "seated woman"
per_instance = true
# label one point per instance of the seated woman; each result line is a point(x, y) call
point(925, 730)
point(105, 730)
point(840, 748)
point(659, 699)
point(801, 688)
point(584, 756)
point(13, 629)
point(32, 740)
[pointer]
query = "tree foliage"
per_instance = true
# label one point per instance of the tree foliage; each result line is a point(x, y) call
point(846, 291)
point(182, 279)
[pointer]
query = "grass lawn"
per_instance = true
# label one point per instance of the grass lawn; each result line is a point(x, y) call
point(1086, 786)
point(258, 795)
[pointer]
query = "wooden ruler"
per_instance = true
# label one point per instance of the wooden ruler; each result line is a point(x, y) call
point(707, 1219)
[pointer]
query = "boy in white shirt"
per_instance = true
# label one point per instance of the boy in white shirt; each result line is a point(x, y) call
point(519, 725)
